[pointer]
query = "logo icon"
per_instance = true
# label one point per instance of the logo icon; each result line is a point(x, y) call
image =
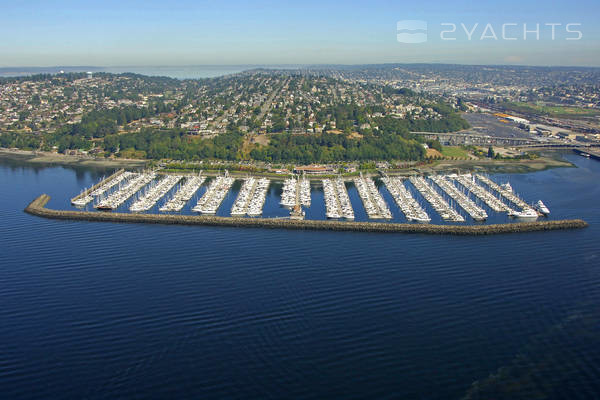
point(412, 31)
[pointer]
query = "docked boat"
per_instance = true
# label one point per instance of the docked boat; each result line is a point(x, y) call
point(541, 207)
point(528, 213)
point(506, 186)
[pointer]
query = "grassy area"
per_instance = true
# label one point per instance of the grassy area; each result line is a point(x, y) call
point(552, 111)
point(454, 152)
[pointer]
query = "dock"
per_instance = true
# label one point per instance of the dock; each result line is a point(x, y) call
point(240, 207)
point(184, 194)
point(115, 199)
point(337, 202)
point(259, 195)
point(214, 196)
point(154, 193)
point(505, 193)
point(469, 183)
point(374, 204)
point(476, 212)
point(405, 201)
point(87, 195)
point(251, 197)
point(436, 200)
point(296, 192)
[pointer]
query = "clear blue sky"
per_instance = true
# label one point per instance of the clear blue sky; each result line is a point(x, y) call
point(121, 33)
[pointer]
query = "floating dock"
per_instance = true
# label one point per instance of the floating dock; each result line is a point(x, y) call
point(469, 183)
point(436, 200)
point(476, 212)
point(137, 182)
point(184, 194)
point(251, 198)
point(214, 196)
point(374, 204)
point(409, 206)
point(259, 195)
point(505, 193)
point(296, 192)
point(240, 207)
point(154, 193)
point(337, 202)
point(87, 196)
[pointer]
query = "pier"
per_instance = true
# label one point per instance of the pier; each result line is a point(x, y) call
point(436, 200)
point(259, 195)
point(184, 194)
point(374, 204)
point(37, 208)
point(214, 196)
point(155, 193)
point(507, 194)
point(251, 197)
point(476, 212)
point(132, 186)
point(409, 206)
point(337, 202)
point(296, 193)
point(468, 182)
point(87, 196)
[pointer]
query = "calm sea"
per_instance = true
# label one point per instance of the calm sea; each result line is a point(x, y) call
point(104, 311)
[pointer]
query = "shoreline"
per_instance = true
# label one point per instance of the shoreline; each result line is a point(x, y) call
point(482, 165)
point(38, 208)
point(46, 158)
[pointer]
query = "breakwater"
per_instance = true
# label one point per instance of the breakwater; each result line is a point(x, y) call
point(38, 208)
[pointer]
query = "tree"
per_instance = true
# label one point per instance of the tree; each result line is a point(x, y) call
point(491, 153)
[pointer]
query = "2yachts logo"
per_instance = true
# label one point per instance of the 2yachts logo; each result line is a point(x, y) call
point(415, 31)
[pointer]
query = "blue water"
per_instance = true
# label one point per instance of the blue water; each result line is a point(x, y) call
point(103, 311)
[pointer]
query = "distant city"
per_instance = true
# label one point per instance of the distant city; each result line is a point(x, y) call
point(245, 115)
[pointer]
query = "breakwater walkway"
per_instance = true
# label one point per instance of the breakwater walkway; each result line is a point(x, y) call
point(38, 208)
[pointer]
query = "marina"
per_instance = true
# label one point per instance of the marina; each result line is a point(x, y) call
point(154, 193)
point(184, 194)
point(136, 182)
point(374, 204)
point(408, 205)
point(214, 196)
point(476, 212)
point(436, 200)
point(447, 198)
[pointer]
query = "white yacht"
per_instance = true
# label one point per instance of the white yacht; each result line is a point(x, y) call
point(528, 213)
point(541, 207)
point(506, 186)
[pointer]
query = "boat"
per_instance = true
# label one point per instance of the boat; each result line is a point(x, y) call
point(506, 186)
point(528, 213)
point(541, 207)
